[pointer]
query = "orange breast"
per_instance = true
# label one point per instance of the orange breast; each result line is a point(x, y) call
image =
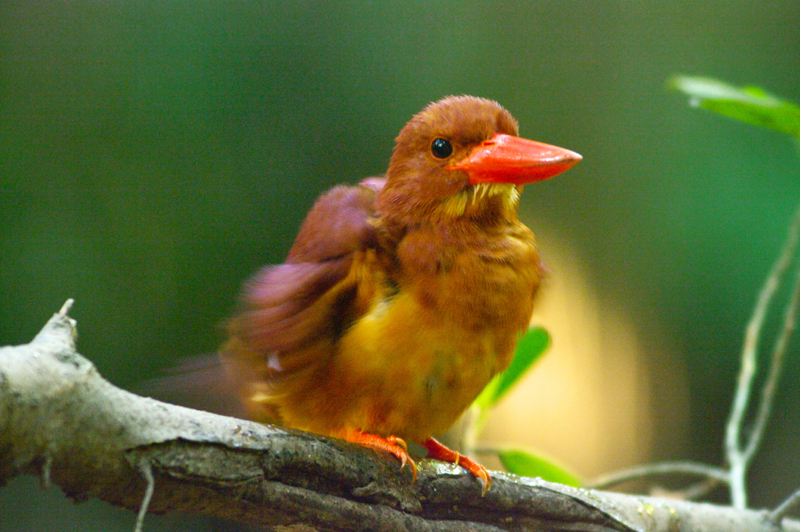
point(417, 359)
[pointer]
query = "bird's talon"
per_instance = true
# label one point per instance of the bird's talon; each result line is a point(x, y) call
point(398, 441)
point(486, 481)
point(439, 451)
point(413, 471)
point(391, 444)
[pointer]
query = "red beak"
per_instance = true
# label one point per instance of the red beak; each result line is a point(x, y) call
point(509, 159)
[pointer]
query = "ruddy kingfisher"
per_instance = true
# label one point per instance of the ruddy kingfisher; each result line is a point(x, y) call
point(404, 295)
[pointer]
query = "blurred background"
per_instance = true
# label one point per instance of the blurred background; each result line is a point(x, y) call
point(153, 155)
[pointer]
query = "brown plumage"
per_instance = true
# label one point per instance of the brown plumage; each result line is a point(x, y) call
point(401, 297)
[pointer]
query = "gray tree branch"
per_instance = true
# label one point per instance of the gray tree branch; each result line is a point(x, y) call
point(60, 420)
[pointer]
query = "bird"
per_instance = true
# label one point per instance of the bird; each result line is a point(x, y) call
point(402, 296)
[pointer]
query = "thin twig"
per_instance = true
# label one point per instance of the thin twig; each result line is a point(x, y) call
point(777, 515)
point(699, 490)
point(661, 468)
point(776, 366)
point(47, 467)
point(733, 450)
point(147, 473)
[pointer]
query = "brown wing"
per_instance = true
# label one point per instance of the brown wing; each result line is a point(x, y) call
point(292, 314)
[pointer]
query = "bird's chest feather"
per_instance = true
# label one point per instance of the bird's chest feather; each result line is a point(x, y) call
point(479, 279)
point(419, 357)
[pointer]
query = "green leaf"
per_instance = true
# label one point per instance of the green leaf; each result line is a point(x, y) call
point(531, 464)
point(530, 347)
point(749, 104)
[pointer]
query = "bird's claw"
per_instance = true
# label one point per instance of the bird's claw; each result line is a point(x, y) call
point(438, 451)
point(398, 441)
point(391, 444)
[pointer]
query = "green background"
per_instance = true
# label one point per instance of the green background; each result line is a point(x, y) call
point(155, 154)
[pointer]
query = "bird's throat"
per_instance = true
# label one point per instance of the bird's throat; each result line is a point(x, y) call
point(479, 199)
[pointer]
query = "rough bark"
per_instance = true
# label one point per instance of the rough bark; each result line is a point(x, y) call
point(61, 420)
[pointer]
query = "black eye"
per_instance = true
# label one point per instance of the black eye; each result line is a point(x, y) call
point(441, 148)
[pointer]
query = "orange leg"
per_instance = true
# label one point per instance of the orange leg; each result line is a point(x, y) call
point(393, 445)
point(439, 452)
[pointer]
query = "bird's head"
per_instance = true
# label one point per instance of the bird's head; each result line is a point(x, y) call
point(461, 157)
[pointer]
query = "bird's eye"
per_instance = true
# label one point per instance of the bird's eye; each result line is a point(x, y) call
point(441, 148)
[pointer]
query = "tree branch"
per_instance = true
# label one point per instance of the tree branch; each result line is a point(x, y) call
point(61, 420)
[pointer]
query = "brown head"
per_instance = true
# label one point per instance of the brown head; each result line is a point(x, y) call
point(461, 157)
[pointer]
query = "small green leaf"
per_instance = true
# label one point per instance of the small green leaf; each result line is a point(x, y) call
point(749, 104)
point(530, 347)
point(530, 464)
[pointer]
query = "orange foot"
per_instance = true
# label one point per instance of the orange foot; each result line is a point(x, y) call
point(439, 452)
point(393, 445)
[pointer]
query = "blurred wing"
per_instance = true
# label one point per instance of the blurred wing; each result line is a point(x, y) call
point(198, 382)
point(292, 314)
